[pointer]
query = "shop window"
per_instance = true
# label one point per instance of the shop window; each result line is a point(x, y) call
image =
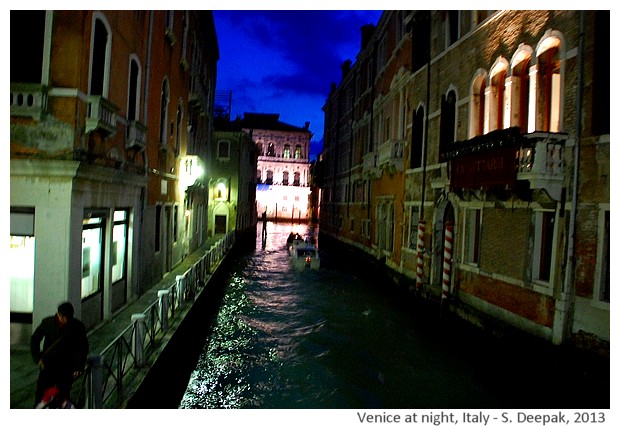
point(21, 261)
point(92, 255)
point(119, 245)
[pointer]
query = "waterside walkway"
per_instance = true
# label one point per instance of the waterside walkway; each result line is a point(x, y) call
point(123, 348)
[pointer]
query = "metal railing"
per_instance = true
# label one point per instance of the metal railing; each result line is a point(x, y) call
point(109, 373)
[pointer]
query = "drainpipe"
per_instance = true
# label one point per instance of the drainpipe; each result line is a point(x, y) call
point(565, 303)
point(428, 101)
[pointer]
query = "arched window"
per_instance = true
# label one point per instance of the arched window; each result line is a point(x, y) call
point(271, 150)
point(548, 85)
point(495, 96)
point(415, 160)
point(259, 147)
point(269, 180)
point(520, 81)
point(163, 112)
point(133, 93)
point(258, 176)
point(287, 151)
point(285, 178)
point(477, 109)
point(296, 177)
point(448, 117)
point(100, 56)
point(298, 154)
point(179, 135)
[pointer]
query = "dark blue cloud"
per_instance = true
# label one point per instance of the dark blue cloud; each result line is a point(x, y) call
point(286, 60)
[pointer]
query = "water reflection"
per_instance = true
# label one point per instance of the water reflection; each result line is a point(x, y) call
point(331, 339)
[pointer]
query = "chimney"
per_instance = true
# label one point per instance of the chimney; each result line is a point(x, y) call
point(307, 125)
point(367, 32)
point(346, 67)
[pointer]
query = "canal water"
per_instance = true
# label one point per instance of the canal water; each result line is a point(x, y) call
point(339, 337)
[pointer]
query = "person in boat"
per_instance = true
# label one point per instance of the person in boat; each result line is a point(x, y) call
point(289, 240)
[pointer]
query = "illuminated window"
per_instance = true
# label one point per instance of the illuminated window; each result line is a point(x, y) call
point(92, 255)
point(21, 261)
point(520, 81)
point(548, 86)
point(477, 110)
point(298, 154)
point(495, 97)
point(119, 245)
point(287, 151)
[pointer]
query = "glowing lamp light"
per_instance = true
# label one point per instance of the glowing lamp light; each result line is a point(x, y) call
point(190, 171)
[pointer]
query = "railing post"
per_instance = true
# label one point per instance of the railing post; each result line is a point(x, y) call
point(162, 295)
point(95, 390)
point(139, 333)
point(181, 289)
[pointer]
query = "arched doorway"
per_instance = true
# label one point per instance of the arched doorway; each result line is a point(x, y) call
point(220, 219)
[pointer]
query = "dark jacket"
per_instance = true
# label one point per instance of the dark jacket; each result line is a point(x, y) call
point(64, 348)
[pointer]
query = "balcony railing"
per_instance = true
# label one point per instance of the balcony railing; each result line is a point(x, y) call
point(540, 160)
point(111, 374)
point(28, 99)
point(502, 157)
point(136, 135)
point(370, 168)
point(390, 155)
point(101, 115)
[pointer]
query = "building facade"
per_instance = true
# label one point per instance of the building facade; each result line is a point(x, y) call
point(283, 183)
point(232, 181)
point(107, 108)
point(468, 152)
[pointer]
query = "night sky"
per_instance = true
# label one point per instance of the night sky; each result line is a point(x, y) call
point(284, 61)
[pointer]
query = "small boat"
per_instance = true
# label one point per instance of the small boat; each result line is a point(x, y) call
point(304, 255)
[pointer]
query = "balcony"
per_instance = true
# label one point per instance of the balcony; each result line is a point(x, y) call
point(28, 100)
point(136, 136)
point(390, 156)
point(501, 158)
point(101, 115)
point(540, 161)
point(370, 168)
